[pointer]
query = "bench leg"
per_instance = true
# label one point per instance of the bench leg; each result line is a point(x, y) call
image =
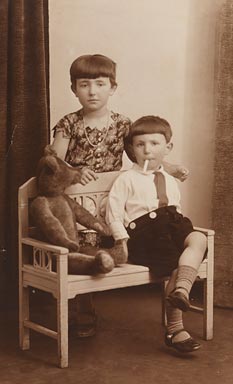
point(24, 333)
point(163, 303)
point(208, 310)
point(62, 312)
point(62, 330)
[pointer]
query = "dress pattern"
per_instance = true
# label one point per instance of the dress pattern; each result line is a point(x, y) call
point(100, 150)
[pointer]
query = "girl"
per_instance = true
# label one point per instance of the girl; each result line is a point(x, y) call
point(94, 138)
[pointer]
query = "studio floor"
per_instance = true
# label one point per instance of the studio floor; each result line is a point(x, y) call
point(127, 349)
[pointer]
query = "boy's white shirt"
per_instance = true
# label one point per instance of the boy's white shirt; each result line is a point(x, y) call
point(134, 194)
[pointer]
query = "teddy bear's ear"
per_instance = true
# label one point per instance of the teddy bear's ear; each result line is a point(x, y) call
point(51, 164)
point(49, 151)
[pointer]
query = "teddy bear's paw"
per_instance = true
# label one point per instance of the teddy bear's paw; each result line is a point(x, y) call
point(72, 246)
point(104, 262)
point(119, 253)
point(103, 229)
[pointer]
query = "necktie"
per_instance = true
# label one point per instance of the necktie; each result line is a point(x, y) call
point(160, 184)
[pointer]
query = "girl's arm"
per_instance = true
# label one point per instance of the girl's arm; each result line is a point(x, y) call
point(178, 171)
point(60, 145)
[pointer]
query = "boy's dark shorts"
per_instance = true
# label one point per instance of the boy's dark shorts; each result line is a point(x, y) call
point(157, 239)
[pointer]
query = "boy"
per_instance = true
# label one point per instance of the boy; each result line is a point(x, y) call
point(143, 212)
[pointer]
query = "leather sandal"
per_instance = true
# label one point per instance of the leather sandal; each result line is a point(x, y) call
point(178, 300)
point(185, 346)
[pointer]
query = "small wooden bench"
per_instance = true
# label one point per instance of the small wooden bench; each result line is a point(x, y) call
point(44, 266)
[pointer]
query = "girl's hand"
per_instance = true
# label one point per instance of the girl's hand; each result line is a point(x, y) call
point(181, 172)
point(87, 175)
point(178, 171)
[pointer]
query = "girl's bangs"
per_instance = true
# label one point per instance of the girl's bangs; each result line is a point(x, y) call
point(92, 72)
point(93, 68)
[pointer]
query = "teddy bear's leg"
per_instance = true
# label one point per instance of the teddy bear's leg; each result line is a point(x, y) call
point(80, 264)
point(104, 262)
point(50, 226)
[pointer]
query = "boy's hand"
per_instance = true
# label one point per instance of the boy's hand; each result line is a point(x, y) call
point(87, 175)
point(119, 252)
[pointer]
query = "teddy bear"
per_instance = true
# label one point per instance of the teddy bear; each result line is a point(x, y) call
point(55, 216)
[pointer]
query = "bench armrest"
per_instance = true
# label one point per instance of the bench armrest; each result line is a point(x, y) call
point(207, 232)
point(45, 246)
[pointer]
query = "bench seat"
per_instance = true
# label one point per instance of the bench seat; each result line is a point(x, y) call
point(44, 266)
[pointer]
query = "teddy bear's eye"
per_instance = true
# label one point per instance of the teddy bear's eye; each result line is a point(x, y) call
point(49, 170)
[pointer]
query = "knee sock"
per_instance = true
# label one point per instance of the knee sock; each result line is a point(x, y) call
point(175, 323)
point(186, 276)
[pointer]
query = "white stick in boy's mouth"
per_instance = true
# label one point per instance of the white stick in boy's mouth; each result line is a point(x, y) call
point(146, 163)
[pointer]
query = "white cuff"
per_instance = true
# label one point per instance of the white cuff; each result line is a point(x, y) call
point(118, 230)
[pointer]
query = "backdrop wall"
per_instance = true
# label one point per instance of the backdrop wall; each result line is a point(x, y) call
point(165, 52)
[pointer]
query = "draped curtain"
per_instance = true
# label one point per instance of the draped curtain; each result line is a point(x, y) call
point(223, 186)
point(24, 119)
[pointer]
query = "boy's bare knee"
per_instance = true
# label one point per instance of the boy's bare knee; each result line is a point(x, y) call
point(202, 241)
point(197, 240)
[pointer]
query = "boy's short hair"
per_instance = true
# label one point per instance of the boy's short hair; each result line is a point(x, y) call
point(91, 67)
point(150, 124)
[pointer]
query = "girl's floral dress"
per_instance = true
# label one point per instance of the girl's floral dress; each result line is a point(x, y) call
point(100, 150)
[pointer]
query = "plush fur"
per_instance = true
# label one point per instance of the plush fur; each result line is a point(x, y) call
point(55, 215)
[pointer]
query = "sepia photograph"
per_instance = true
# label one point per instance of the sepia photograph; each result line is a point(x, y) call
point(116, 212)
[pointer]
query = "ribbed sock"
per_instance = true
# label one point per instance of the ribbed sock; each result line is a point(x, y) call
point(174, 319)
point(186, 276)
point(175, 323)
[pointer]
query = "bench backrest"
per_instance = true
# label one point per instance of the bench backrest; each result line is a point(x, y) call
point(91, 196)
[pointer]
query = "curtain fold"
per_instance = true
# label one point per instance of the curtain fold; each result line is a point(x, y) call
point(24, 98)
point(223, 183)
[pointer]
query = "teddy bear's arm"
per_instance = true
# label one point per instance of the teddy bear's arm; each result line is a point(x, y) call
point(49, 225)
point(85, 218)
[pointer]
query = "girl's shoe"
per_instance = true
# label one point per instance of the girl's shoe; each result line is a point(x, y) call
point(185, 346)
point(178, 300)
point(86, 325)
point(86, 330)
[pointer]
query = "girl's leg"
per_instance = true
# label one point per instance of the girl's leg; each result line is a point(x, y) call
point(82, 316)
point(86, 316)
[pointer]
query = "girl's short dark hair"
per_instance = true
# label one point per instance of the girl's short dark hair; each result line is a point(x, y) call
point(150, 124)
point(91, 67)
